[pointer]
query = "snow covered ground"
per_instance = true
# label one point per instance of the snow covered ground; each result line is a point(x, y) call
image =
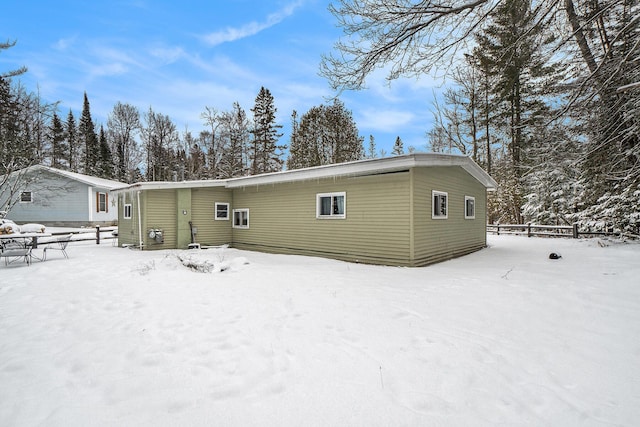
point(505, 336)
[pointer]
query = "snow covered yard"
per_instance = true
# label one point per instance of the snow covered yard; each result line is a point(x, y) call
point(505, 336)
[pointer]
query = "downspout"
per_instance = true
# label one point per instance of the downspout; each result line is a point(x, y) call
point(139, 221)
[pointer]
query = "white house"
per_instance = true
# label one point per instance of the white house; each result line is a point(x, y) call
point(55, 197)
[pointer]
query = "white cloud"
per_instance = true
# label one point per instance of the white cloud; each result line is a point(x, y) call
point(167, 55)
point(230, 34)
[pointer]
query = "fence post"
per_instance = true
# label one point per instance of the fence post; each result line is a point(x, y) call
point(575, 230)
point(528, 229)
point(97, 234)
point(498, 228)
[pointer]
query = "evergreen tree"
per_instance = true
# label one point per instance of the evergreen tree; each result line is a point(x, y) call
point(104, 165)
point(88, 139)
point(609, 36)
point(398, 147)
point(266, 154)
point(372, 154)
point(12, 156)
point(325, 135)
point(234, 131)
point(296, 151)
point(512, 44)
point(59, 147)
point(73, 147)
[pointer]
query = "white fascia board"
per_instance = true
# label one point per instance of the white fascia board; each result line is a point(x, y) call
point(170, 185)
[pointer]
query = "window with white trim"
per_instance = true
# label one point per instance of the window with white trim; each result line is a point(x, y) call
point(127, 211)
point(26, 197)
point(469, 207)
point(331, 205)
point(241, 218)
point(102, 202)
point(440, 204)
point(222, 211)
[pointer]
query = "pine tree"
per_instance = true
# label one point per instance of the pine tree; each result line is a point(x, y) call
point(296, 151)
point(372, 154)
point(266, 154)
point(235, 135)
point(71, 131)
point(88, 139)
point(609, 36)
point(104, 164)
point(511, 46)
point(12, 156)
point(398, 148)
point(325, 135)
point(59, 147)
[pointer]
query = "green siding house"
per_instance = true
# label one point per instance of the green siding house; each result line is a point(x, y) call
point(410, 210)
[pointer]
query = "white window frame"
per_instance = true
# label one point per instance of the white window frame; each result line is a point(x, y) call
point(434, 194)
point(215, 213)
point(127, 211)
point(466, 211)
point(30, 197)
point(321, 196)
point(239, 211)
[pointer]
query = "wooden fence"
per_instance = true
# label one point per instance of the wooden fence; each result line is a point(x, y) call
point(545, 230)
point(98, 234)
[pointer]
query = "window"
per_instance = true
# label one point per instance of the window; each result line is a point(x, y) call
point(101, 201)
point(469, 207)
point(440, 204)
point(127, 211)
point(26, 197)
point(331, 205)
point(241, 218)
point(222, 211)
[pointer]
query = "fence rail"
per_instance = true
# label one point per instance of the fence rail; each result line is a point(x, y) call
point(97, 234)
point(545, 230)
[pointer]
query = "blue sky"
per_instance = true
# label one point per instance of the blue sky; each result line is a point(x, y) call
point(179, 57)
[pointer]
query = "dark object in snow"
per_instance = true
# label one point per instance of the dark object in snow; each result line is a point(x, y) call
point(554, 255)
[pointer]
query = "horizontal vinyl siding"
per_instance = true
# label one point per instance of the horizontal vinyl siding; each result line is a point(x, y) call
point(441, 239)
point(161, 212)
point(210, 231)
point(282, 218)
point(56, 200)
point(128, 228)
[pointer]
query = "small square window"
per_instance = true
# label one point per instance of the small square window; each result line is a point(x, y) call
point(222, 211)
point(26, 197)
point(331, 205)
point(127, 211)
point(241, 218)
point(440, 201)
point(469, 207)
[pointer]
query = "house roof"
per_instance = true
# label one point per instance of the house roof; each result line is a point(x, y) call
point(355, 168)
point(369, 167)
point(85, 179)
